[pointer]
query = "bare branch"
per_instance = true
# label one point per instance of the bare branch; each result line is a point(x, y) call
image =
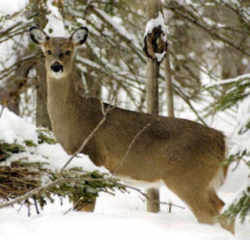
point(130, 146)
point(87, 139)
point(179, 11)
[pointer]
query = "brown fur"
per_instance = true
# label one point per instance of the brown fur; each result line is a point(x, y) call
point(184, 154)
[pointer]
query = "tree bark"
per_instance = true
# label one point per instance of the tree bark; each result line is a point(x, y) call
point(152, 87)
point(42, 116)
point(169, 87)
point(12, 103)
point(153, 8)
point(41, 20)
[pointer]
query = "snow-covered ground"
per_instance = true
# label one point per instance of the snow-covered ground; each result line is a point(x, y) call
point(122, 216)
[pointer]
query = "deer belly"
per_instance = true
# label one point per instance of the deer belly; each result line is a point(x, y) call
point(140, 183)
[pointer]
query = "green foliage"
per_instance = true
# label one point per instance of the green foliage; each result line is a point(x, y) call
point(32, 46)
point(78, 186)
point(110, 7)
point(83, 188)
point(30, 143)
point(240, 207)
point(235, 93)
point(7, 149)
point(44, 136)
point(233, 96)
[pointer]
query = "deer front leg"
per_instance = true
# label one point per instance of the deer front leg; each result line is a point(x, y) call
point(153, 201)
point(85, 206)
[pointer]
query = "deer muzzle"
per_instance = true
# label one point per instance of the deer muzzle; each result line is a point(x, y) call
point(56, 67)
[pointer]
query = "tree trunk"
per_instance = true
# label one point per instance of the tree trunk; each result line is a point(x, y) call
point(153, 8)
point(169, 87)
point(11, 102)
point(42, 116)
point(152, 87)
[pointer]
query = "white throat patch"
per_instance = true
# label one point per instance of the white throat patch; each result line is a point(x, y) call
point(57, 75)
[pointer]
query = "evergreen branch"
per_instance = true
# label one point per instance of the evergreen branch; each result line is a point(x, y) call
point(32, 193)
point(61, 180)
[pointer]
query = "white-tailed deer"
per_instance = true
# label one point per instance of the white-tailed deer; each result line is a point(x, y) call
point(185, 155)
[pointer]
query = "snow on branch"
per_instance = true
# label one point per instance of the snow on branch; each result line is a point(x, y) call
point(229, 80)
point(155, 38)
point(117, 26)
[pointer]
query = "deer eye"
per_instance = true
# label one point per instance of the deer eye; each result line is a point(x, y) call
point(67, 53)
point(49, 52)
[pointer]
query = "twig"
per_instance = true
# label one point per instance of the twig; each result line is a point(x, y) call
point(192, 107)
point(147, 197)
point(179, 11)
point(2, 110)
point(87, 139)
point(32, 193)
point(130, 146)
point(36, 206)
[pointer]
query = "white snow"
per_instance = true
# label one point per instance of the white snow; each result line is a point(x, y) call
point(154, 23)
point(160, 56)
point(14, 129)
point(55, 22)
point(117, 25)
point(7, 7)
point(122, 216)
point(241, 135)
point(230, 80)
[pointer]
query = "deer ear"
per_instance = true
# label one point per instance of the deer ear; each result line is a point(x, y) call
point(79, 36)
point(38, 36)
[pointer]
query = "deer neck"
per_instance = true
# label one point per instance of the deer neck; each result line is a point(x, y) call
point(62, 94)
point(73, 117)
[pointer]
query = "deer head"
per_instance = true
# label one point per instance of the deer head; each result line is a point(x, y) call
point(59, 52)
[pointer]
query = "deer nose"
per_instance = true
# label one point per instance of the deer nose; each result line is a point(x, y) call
point(56, 67)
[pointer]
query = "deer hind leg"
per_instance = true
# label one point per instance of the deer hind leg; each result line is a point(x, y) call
point(206, 207)
point(226, 223)
point(203, 201)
